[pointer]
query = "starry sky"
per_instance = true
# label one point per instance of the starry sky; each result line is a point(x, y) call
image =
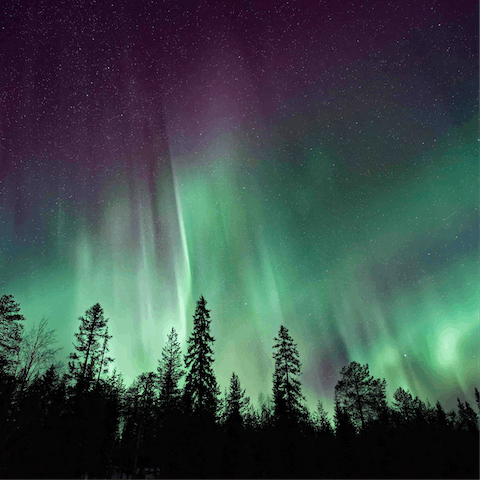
point(312, 164)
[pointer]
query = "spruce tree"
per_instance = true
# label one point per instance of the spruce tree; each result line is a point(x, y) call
point(265, 412)
point(170, 372)
point(201, 390)
point(362, 396)
point(287, 395)
point(324, 427)
point(440, 415)
point(91, 347)
point(467, 418)
point(236, 403)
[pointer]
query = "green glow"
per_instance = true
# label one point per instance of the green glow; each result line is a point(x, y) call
point(368, 276)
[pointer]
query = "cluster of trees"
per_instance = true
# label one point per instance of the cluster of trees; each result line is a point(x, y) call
point(175, 422)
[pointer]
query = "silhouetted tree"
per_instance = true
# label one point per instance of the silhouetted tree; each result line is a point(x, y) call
point(88, 360)
point(477, 400)
point(36, 352)
point(441, 416)
point(345, 433)
point(362, 396)
point(404, 405)
point(112, 390)
point(101, 359)
point(201, 390)
point(323, 425)
point(467, 418)
point(287, 394)
point(138, 435)
point(236, 404)
point(345, 429)
point(10, 333)
point(170, 372)
point(266, 410)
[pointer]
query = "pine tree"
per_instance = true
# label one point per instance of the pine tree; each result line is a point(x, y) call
point(201, 390)
point(10, 333)
point(287, 395)
point(170, 372)
point(89, 359)
point(362, 396)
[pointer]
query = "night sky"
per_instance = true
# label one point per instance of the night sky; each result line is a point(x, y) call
point(312, 164)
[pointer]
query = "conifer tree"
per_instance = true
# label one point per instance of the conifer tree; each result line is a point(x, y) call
point(404, 405)
point(265, 410)
point(10, 333)
point(323, 422)
point(477, 400)
point(467, 418)
point(362, 396)
point(89, 359)
point(440, 415)
point(170, 372)
point(201, 390)
point(287, 395)
point(236, 403)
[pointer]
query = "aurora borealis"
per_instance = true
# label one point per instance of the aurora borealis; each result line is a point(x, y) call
point(307, 163)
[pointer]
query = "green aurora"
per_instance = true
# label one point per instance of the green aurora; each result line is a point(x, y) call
point(316, 168)
point(381, 275)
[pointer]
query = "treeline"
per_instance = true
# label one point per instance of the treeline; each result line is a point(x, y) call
point(175, 422)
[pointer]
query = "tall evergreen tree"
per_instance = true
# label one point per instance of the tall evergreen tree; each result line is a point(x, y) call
point(287, 395)
point(201, 390)
point(362, 396)
point(91, 341)
point(170, 372)
point(11, 330)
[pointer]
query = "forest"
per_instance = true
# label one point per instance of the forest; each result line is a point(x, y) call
point(83, 422)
